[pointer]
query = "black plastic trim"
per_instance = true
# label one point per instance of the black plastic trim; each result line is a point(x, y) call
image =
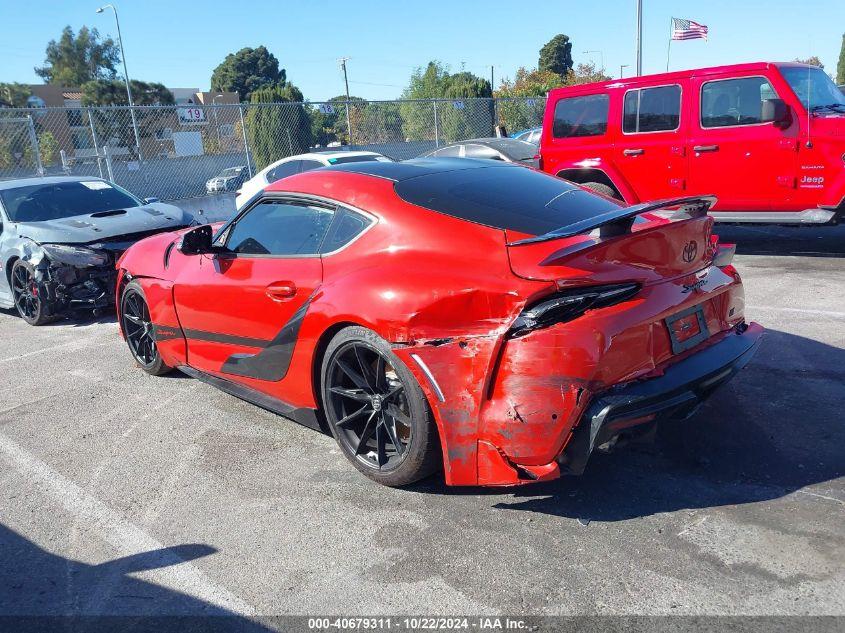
point(675, 395)
point(303, 415)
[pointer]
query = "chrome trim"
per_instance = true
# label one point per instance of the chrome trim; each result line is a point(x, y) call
point(419, 361)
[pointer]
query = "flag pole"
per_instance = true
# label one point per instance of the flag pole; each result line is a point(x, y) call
point(669, 47)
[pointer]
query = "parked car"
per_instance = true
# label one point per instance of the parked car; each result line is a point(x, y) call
point(492, 148)
point(297, 164)
point(529, 136)
point(768, 139)
point(483, 317)
point(227, 180)
point(60, 238)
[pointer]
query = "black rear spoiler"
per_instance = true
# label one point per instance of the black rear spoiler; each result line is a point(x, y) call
point(620, 220)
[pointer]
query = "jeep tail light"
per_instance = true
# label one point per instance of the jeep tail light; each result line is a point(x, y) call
point(568, 305)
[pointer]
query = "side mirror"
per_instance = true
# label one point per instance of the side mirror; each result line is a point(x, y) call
point(196, 241)
point(150, 200)
point(776, 111)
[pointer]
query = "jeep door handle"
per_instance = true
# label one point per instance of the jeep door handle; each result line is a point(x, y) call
point(281, 290)
point(705, 148)
point(633, 152)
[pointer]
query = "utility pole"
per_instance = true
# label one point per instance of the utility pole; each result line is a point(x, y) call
point(342, 62)
point(639, 37)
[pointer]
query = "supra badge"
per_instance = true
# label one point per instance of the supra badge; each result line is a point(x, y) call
point(690, 251)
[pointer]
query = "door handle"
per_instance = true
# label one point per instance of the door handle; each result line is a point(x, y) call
point(281, 290)
point(633, 152)
point(705, 148)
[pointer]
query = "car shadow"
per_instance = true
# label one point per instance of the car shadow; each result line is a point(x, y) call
point(44, 591)
point(775, 429)
point(800, 241)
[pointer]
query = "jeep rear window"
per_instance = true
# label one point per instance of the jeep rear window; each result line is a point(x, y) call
point(504, 196)
point(54, 201)
point(581, 116)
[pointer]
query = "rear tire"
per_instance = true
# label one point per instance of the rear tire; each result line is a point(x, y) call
point(376, 410)
point(25, 293)
point(600, 187)
point(139, 331)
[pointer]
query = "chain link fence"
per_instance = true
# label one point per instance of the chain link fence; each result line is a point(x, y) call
point(172, 152)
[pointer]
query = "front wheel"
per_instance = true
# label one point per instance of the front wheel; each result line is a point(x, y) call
point(27, 296)
point(139, 330)
point(376, 410)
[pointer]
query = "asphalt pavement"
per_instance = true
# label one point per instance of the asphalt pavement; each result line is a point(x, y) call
point(122, 493)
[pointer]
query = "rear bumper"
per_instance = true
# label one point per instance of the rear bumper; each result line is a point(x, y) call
point(674, 395)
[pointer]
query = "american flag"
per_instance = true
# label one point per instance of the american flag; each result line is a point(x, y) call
point(688, 30)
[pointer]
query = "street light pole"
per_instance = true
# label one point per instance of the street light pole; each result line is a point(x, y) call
point(639, 38)
point(621, 69)
point(126, 77)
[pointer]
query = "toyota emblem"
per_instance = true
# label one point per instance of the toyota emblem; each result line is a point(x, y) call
point(690, 251)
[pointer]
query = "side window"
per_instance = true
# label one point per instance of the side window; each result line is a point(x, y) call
point(581, 116)
point(285, 169)
point(278, 227)
point(734, 101)
point(652, 109)
point(481, 151)
point(308, 165)
point(348, 226)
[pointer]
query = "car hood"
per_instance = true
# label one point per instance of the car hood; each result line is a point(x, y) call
point(82, 229)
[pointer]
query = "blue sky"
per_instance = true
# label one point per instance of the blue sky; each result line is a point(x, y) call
point(179, 43)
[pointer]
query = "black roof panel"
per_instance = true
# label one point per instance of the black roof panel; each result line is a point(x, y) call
point(405, 170)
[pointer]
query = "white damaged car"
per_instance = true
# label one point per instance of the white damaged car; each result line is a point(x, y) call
point(60, 238)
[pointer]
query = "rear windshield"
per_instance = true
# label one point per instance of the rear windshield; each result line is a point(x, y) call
point(39, 203)
point(355, 159)
point(504, 197)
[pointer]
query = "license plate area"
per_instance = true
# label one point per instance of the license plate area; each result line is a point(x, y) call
point(687, 329)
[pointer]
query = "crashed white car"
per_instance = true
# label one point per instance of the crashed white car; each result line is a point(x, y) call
point(60, 238)
point(297, 164)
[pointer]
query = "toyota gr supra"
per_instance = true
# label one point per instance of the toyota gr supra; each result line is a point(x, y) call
point(475, 316)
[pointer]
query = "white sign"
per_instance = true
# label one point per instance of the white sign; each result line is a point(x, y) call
point(191, 116)
point(530, 103)
point(326, 108)
point(458, 105)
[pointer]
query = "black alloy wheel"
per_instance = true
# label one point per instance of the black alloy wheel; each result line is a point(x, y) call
point(139, 330)
point(26, 294)
point(376, 410)
point(369, 405)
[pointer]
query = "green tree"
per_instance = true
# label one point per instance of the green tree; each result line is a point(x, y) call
point(556, 55)
point(246, 71)
point(585, 74)
point(76, 59)
point(456, 119)
point(114, 125)
point(811, 61)
point(840, 67)
point(14, 95)
point(278, 130)
point(48, 149)
point(521, 101)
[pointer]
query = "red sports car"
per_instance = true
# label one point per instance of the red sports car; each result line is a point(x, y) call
point(479, 317)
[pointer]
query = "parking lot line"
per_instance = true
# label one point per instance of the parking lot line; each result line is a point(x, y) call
point(116, 530)
point(829, 313)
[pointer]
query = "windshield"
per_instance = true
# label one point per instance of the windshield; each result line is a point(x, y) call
point(814, 88)
point(231, 171)
point(54, 201)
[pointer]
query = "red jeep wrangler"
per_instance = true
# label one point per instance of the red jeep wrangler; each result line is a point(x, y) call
point(767, 138)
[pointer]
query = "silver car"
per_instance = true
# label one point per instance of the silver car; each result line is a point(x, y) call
point(60, 238)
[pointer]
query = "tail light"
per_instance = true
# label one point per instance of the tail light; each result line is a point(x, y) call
point(569, 305)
